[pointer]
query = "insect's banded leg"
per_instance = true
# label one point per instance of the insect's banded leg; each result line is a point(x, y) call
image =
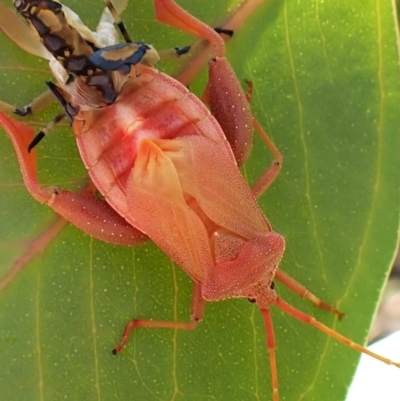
point(302, 291)
point(197, 311)
point(83, 208)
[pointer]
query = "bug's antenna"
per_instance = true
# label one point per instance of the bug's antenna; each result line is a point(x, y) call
point(118, 21)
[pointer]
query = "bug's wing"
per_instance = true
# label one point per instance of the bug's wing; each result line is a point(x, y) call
point(158, 207)
point(184, 190)
point(219, 187)
point(20, 33)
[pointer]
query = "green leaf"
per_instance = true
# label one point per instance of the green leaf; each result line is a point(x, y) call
point(326, 78)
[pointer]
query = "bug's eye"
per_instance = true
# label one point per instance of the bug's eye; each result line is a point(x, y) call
point(252, 300)
point(19, 4)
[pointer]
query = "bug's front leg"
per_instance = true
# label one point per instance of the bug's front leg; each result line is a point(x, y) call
point(83, 208)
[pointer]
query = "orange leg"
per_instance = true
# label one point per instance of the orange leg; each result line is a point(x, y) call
point(281, 304)
point(269, 329)
point(290, 310)
point(299, 289)
point(271, 172)
point(197, 311)
point(269, 175)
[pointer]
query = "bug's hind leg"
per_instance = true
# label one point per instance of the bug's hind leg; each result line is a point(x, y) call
point(197, 311)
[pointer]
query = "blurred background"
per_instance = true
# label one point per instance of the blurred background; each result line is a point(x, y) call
point(387, 320)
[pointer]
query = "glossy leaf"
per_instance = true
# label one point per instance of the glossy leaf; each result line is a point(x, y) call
point(326, 78)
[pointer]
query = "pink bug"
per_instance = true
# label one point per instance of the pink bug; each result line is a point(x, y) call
point(168, 184)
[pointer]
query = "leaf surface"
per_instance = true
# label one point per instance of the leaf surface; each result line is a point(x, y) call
point(326, 78)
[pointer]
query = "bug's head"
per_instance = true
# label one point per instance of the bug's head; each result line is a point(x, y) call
point(31, 8)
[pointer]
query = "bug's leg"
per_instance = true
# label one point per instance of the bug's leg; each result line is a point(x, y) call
point(83, 208)
point(37, 104)
point(271, 172)
point(269, 330)
point(302, 291)
point(173, 53)
point(197, 311)
point(258, 189)
point(6, 108)
point(303, 317)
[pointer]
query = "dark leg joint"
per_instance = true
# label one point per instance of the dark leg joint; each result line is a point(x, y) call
point(182, 50)
point(24, 111)
point(228, 32)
